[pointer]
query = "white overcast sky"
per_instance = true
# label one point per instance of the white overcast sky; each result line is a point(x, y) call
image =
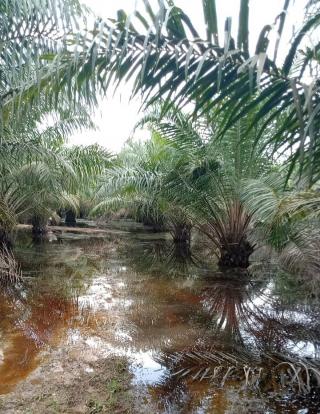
point(116, 115)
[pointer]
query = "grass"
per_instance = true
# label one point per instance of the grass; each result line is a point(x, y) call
point(95, 407)
point(105, 390)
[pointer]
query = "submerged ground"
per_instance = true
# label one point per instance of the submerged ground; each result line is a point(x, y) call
point(123, 322)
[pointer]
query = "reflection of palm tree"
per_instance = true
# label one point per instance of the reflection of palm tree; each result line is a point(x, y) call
point(249, 344)
point(163, 257)
point(226, 301)
point(244, 312)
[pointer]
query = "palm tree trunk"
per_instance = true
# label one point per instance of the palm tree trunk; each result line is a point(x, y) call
point(39, 226)
point(181, 252)
point(156, 224)
point(236, 254)
point(5, 238)
point(181, 233)
point(71, 218)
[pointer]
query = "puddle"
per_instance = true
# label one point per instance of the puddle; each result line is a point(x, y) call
point(199, 341)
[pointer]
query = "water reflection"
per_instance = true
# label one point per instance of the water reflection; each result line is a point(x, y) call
point(163, 258)
point(200, 340)
point(37, 313)
point(247, 335)
point(29, 324)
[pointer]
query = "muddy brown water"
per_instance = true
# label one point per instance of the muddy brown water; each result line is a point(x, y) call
point(199, 340)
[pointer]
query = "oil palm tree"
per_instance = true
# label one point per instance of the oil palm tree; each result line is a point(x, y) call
point(167, 59)
point(193, 180)
point(48, 187)
point(136, 182)
point(28, 30)
point(27, 144)
point(207, 179)
point(164, 54)
point(39, 173)
point(88, 164)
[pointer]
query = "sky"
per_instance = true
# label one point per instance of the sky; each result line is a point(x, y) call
point(116, 115)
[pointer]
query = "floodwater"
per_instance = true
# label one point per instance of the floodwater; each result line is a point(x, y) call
point(199, 340)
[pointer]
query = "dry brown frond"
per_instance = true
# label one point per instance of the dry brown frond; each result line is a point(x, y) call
point(10, 271)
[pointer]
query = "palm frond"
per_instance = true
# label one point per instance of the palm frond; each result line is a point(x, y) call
point(251, 370)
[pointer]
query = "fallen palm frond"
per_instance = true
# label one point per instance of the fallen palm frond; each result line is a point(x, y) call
point(282, 372)
point(10, 271)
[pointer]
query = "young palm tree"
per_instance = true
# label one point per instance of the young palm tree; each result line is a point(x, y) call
point(207, 179)
point(193, 180)
point(137, 182)
point(40, 174)
point(48, 187)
